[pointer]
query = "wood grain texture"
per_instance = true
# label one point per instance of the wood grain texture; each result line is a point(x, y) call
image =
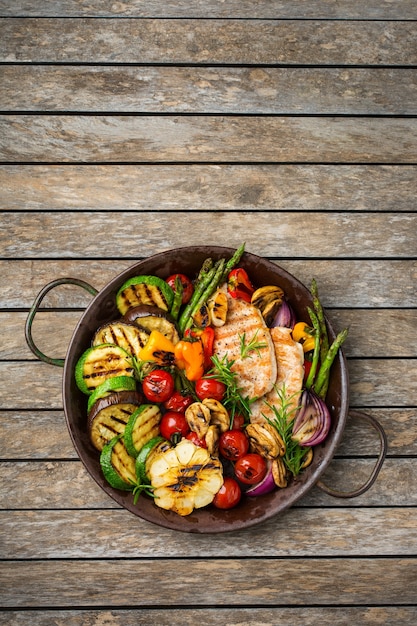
point(52, 332)
point(342, 282)
point(337, 235)
point(279, 9)
point(253, 42)
point(210, 616)
point(333, 581)
point(150, 139)
point(66, 484)
point(373, 383)
point(297, 532)
point(194, 187)
point(36, 434)
point(218, 90)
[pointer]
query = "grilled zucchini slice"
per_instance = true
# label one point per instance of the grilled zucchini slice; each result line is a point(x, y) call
point(128, 336)
point(150, 290)
point(98, 363)
point(111, 386)
point(117, 465)
point(143, 425)
point(109, 416)
point(151, 318)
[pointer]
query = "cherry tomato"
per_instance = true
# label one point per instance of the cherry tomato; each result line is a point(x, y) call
point(307, 368)
point(233, 444)
point(228, 495)
point(172, 424)
point(210, 388)
point(158, 386)
point(251, 468)
point(238, 422)
point(187, 286)
point(178, 402)
point(192, 436)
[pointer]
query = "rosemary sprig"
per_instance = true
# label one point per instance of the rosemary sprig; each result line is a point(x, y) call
point(252, 346)
point(283, 421)
point(233, 400)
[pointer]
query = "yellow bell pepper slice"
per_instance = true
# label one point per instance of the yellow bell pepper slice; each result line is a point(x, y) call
point(304, 334)
point(159, 349)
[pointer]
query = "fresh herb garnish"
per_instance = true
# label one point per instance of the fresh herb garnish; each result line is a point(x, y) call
point(252, 346)
point(283, 421)
point(233, 400)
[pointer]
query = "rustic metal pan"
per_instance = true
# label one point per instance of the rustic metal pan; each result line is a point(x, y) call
point(251, 510)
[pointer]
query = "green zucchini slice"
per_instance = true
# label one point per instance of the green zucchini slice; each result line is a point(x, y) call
point(128, 336)
point(142, 426)
point(157, 444)
point(111, 386)
point(99, 363)
point(150, 290)
point(117, 465)
point(109, 416)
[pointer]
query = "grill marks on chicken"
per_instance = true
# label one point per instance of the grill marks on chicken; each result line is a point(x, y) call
point(257, 372)
point(290, 373)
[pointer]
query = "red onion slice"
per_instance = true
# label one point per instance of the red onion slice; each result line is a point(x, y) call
point(312, 423)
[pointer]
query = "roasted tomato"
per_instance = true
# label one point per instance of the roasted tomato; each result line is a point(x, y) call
point(197, 441)
point(178, 402)
point(173, 424)
point(228, 495)
point(158, 386)
point(251, 468)
point(210, 388)
point(187, 286)
point(238, 422)
point(233, 444)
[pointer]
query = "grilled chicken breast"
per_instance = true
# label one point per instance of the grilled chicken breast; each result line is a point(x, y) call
point(290, 365)
point(257, 369)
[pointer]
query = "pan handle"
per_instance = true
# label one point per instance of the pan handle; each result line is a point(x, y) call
point(381, 457)
point(35, 308)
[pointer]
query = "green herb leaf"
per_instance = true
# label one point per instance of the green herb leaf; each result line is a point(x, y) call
point(233, 400)
point(252, 346)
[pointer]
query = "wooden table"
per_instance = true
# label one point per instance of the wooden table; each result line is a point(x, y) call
point(128, 128)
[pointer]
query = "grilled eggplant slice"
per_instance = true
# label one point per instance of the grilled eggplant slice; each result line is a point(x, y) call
point(151, 318)
point(127, 336)
point(110, 414)
point(117, 465)
point(98, 363)
point(143, 425)
point(150, 290)
point(111, 386)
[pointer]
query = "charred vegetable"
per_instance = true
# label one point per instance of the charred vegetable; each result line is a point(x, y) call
point(143, 425)
point(127, 336)
point(101, 362)
point(149, 290)
point(268, 300)
point(109, 416)
point(148, 318)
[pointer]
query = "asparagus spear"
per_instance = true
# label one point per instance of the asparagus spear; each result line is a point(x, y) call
point(316, 352)
point(205, 294)
point(234, 260)
point(322, 379)
point(322, 322)
point(203, 280)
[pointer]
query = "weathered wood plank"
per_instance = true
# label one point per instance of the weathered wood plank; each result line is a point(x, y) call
point(190, 139)
point(373, 383)
point(279, 9)
point(191, 187)
point(342, 283)
point(332, 581)
point(209, 90)
point(307, 615)
point(297, 532)
point(254, 42)
point(52, 332)
point(67, 485)
point(38, 435)
point(339, 235)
